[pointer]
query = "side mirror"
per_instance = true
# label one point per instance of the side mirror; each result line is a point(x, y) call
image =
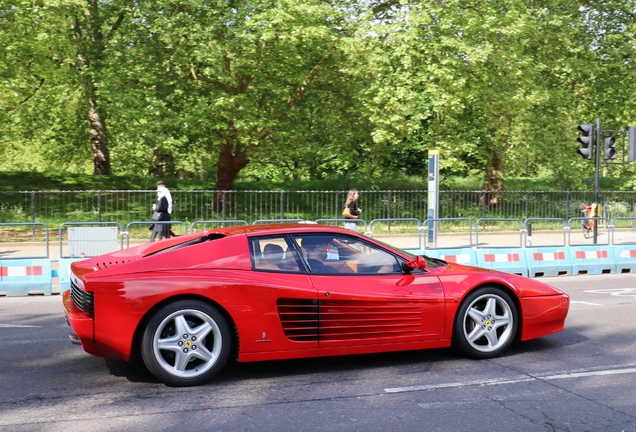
point(418, 263)
point(406, 268)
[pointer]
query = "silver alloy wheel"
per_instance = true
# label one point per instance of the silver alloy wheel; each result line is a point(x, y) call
point(187, 343)
point(488, 323)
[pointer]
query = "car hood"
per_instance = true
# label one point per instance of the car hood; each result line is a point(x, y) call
point(463, 277)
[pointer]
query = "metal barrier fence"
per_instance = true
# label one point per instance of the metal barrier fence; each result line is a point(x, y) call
point(57, 207)
point(394, 229)
point(139, 232)
point(210, 224)
point(576, 236)
point(447, 232)
point(277, 221)
point(502, 225)
point(546, 236)
point(339, 222)
point(24, 269)
point(24, 240)
point(85, 239)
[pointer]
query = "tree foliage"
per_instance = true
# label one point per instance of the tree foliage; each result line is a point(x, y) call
point(312, 89)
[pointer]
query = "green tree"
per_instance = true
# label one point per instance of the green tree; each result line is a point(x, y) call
point(491, 84)
point(311, 89)
point(237, 75)
point(40, 110)
point(62, 49)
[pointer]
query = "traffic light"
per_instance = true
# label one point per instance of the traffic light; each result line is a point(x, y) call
point(586, 140)
point(631, 148)
point(609, 151)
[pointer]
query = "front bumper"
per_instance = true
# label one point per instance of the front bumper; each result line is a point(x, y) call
point(543, 315)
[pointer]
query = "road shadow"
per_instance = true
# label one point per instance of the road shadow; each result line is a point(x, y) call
point(417, 361)
point(133, 371)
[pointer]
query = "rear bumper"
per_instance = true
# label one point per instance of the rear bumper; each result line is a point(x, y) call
point(82, 324)
point(543, 315)
point(83, 331)
point(83, 327)
point(75, 340)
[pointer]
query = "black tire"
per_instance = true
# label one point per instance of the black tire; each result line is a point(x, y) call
point(486, 323)
point(186, 343)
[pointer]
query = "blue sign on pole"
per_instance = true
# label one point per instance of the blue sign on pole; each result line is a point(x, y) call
point(433, 194)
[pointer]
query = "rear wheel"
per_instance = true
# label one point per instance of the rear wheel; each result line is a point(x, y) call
point(486, 323)
point(186, 343)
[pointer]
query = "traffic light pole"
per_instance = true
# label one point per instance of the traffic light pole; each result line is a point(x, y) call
point(609, 152)
point(597, 170)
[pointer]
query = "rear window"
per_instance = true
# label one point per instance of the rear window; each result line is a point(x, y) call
point(273, 253)
point(205, 239)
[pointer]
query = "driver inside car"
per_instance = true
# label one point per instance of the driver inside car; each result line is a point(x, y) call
point(317, 248)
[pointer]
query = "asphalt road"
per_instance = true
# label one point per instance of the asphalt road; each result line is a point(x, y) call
point(582, 379)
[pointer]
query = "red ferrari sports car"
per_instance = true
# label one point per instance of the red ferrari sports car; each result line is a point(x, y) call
point(266, 292)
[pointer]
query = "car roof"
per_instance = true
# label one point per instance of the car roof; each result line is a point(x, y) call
point(287, 228)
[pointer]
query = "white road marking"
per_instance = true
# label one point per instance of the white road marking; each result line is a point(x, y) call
point(618, 292)
point(17, 326)
point(501, 381)
point(587, 303)
point(594, 373)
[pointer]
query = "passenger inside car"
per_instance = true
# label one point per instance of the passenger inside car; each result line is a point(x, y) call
point(268, 254)
point(273, 254)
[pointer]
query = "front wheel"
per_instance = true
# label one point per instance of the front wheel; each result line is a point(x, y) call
point(486, 323)
point(186, 343)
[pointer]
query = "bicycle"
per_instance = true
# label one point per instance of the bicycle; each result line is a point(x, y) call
point(589, 222)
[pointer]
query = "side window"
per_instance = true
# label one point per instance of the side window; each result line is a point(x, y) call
point(273, 254)
point(366, 258)
point(345, 255)
point(319, 253)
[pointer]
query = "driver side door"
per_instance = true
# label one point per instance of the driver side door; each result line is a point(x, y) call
point(371, 301)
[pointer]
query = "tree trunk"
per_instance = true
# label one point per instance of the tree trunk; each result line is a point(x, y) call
point(99, 138)
point(90, 42)
point(162, 163)
point(232, 159)
point(495, 182)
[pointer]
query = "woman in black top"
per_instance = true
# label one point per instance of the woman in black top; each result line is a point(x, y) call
point(352, 205)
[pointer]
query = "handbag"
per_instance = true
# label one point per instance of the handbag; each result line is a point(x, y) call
point(347, 213)
point(156, 216)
